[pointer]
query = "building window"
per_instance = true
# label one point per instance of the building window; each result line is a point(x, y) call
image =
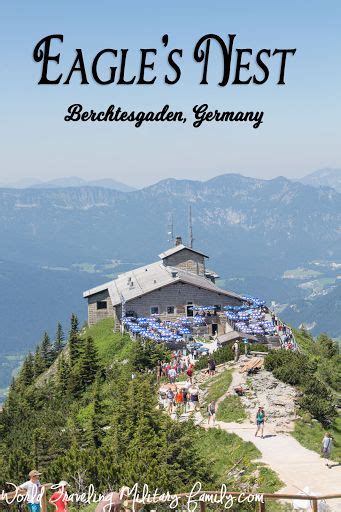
point(189, 309)
point(102, 304)
point(154, 310)
point(170, 310)
point(217, 307)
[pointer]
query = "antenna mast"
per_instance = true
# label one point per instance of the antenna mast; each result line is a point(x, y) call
point(190, 227)
point(170, 229)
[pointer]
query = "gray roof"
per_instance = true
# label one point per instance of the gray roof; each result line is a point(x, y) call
point(178, 248)
point(145, 279)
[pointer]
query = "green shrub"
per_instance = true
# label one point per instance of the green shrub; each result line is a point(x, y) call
point(222, 355)
point(257, 347)
point(293, 368)
point(321, 409)
point(289, 374)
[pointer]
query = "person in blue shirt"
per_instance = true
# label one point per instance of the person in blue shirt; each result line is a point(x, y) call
point(260, 419)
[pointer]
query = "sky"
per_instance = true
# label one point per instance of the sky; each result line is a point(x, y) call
point(300, 131)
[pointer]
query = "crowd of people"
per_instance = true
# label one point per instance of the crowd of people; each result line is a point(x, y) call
point(285, 334)
point(180, 362)
point(179, 397)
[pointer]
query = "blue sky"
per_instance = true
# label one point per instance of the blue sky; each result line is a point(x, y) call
point(300, 132)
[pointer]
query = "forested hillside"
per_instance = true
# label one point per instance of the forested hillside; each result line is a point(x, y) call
point(75, 413)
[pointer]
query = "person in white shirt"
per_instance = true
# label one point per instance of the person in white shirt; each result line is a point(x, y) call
point(235, 349)
point(327, 445)
point(33, 488)
point(172, 375)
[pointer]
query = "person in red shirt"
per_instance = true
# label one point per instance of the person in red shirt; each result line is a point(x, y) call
point(190, 373)
point(60, 498)
point(179, 397)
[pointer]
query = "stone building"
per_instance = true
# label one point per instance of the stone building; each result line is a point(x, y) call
point(168, 288)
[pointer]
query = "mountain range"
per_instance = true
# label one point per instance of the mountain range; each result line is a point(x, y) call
point(326, 177)
point(70, 181)
point(279, 239)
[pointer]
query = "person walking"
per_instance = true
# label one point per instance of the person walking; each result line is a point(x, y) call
point(170, 399)
point(194, 397)
point(33, 489)
point(327, 445)
point(185, 398)
point(172, 375)
point(60, 498)
point(211, 367)
point(260, 419)
point(211, 410)
point(190, 373)
point(179, 397)
point(235, 349)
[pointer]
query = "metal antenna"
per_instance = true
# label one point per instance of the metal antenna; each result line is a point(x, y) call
point(190, 227)
point(170, 229)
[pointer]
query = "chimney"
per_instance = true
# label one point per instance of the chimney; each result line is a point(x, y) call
point(178, 241)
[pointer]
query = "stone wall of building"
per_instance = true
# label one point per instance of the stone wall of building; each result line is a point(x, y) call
point(95, 312)
point(177, 295)
point(187, 260)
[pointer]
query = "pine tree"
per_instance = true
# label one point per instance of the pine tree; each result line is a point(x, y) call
point(46, 350)
point(88, 365)
point(26, 375)
point(38, 363)
point(58, 344)
point(326, 346)
point(74, 340)
point(63, 374)
point(74, 324)
point(97, 416)
point(74, 347)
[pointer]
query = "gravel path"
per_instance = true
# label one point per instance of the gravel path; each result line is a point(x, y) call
point(295, 465)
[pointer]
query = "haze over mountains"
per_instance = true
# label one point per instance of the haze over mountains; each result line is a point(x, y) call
point(72, 181)
point(326, 177)
point(277, 238)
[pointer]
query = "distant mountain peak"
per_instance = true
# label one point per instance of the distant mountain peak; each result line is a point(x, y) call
point(69, 181)
point(326, 177)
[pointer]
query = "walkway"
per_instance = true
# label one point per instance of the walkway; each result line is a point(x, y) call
point(295, 465)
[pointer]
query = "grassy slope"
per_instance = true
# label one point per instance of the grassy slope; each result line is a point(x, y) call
point(228, 452)
point(310, 434)
point(111, 346)
point(231, 409)
point(217, 385)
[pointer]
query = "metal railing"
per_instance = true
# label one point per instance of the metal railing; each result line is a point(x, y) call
point(129, 505)
point(260, 505)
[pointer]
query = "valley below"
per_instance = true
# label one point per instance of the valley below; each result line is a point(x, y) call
point(276, 239)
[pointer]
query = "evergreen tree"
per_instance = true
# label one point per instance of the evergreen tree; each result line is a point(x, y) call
point(46, 350)
point(88, 364)
point(63, 374)
point(326, 346)
point(147, 353)
point(97, 416)
point(74, 324)
point(26, 375)
point(58, 344)
point(74, 340)
point(74, 347)
point(39, 363)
